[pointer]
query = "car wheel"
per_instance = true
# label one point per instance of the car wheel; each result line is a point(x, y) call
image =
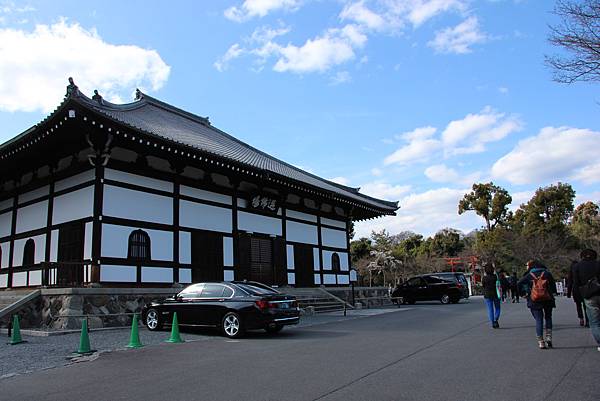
point(232, 325)
point(273, 329)
point(445, 299)
point(153, 320)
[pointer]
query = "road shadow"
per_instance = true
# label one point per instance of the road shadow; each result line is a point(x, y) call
point(286, 333)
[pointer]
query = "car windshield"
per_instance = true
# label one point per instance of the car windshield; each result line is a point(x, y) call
point(254, 289)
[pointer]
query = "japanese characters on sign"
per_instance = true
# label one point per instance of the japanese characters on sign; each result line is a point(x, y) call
point(264, 203)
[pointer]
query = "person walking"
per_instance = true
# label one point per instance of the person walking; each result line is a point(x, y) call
point(491, 296)
point(583, 272)
point(540, 288)
point(505, 285)
point(514, 289)
point(573, 290)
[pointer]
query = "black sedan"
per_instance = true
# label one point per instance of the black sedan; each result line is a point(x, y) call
point(428, 287)
point(233, 307)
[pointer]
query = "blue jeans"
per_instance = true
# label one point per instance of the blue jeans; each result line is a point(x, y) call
point(493, 308)
point(593, 313)
point(540, 315)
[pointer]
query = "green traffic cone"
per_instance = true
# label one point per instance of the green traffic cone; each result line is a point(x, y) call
point(175, 337)
point(134, 339)
point(84, 339)
point(16, 332)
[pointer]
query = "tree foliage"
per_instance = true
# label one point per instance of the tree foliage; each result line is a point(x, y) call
point(578, 34)
point(488, 201)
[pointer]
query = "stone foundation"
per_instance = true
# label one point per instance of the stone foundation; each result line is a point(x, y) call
point(58, 309)
point(369, 297)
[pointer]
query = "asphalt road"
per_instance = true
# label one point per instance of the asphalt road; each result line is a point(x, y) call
point(425, 352)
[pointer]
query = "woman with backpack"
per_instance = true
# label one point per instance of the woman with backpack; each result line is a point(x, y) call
point(540, 288)
point(490, 295)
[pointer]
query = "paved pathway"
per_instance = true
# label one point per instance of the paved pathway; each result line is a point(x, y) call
point(425, 352)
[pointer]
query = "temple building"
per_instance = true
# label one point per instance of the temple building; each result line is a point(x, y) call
point(146, 194)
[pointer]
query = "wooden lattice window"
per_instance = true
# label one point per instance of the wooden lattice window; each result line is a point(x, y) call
point(335, 262)
point(139, 245)
point(29, 252)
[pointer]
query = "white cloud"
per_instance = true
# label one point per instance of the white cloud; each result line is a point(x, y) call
point(362, 15)
point(233, 52)
point(470, 134)
point(376, 172)
point(418, 134)
point(341, 77)
point(34, 66)
point(392, 15)
point(259, 8)
point(460, 39)
point(503, 90)
point(554, 154)
point(335, 47)
point(441, 173)
point(340, 180)
point(519, 198)
point(424, 213)
point(383, 190)
point(416, 151)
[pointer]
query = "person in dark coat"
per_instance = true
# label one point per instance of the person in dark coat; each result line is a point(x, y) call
point(490, 295)
point(573, 290)
point(583, 271)
point(540, 310)
point(514, 289)
point(505, 285)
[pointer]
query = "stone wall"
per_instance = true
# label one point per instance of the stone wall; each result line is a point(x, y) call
point(369, 297)
point(59, 309)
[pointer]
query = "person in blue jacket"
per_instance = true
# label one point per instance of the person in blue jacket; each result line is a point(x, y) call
point(490, 295)
point(540, 310)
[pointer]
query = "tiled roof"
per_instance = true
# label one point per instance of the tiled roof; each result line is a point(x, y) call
point(152, 116)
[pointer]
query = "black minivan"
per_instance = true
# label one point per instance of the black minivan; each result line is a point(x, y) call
point(459, 278)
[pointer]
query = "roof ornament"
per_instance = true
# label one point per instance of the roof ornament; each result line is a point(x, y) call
point(97, 96)
point(72, 89)
point(138, 94)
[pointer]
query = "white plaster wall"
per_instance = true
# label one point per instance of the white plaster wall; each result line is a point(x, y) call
point(35, 277)
point(157, 274)
point(73, 206)
point(329, 279)
point(185, 248)
point(343, 279)
point(259, 224)
point(40, 249)
point(206, 195)
point(302, 216)
point(5, 247)
point(54, 246)
point(32, 217)
point(227, 251)
point(316, 260)
point(334, 223)
point(118, 273)
point(19, 279)
point(115, 242)
point(185, 276)
point(291, 278)
point(228, 275)
point(204, 217)
point(317, 279)
point(74, 180)
point(290, 256)
point(343, 260)
point(242, 203)
point(3, 280)
point(87, 246)
point(137, 205)
point(35, 194)
point(5, 224)
point(5, 204)
point(304, 233)
point(140, 180)
point(333, 238)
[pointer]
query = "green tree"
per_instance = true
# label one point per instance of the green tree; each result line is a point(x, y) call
point(548, 210)
point(488, 201)
point(447, 242)
point(360, 249)
point(585, 224)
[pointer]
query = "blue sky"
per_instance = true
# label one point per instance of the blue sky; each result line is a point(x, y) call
point(412, 100)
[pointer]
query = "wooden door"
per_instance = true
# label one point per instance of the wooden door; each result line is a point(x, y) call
point(304, 265)
point(261, 260)
point(71, 239)
point(207, 256)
